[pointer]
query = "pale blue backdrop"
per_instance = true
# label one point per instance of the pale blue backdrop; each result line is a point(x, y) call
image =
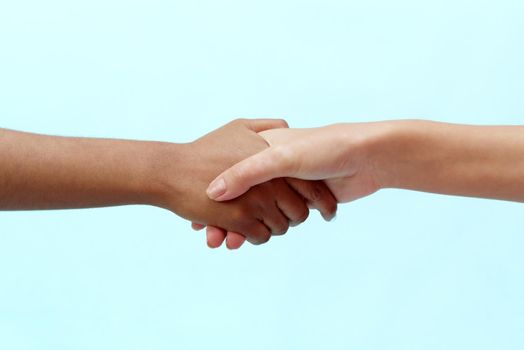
point(398, 270)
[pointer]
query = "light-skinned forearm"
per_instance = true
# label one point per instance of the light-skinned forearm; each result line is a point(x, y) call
point(478, 161)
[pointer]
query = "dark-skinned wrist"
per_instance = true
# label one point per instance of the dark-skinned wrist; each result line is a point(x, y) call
point(169, 164)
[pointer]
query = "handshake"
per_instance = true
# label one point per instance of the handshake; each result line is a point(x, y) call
point(252, 179)
point(275, 176)
point(260, 195)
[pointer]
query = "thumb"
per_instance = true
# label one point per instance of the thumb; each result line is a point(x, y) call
point(261, 167)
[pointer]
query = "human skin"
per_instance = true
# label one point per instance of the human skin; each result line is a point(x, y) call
point(49, 172)
point(358, 159)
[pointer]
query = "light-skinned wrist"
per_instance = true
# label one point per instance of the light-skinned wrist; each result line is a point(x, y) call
point(399, 151)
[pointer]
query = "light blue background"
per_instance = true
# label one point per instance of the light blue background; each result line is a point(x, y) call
point(398, 270)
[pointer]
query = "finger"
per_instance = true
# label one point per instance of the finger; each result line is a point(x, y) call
point(259, 233)
point(234, 240)
point(197, 227)
point(258, 125)
point(273, 218)
point(215, 236)
point(273, 162)
point(318, 196)
point(291, 204)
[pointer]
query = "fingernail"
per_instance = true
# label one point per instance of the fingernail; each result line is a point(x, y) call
point(209, 245)
point(216, 189)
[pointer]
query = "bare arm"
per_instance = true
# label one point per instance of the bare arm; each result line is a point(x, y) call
point(50, 172)
point(359, 159)
point(47, 172)
point(466, 160)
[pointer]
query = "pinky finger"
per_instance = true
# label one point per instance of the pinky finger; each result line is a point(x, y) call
point(215, 236)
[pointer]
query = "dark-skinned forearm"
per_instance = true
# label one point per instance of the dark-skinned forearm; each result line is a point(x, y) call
point(49, 172)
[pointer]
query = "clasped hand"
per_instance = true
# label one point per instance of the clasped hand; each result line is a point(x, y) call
point(266, 209)
point(252, 179)
point(334, 167)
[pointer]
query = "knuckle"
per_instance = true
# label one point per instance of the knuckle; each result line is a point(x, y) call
point(264, 238)
point(303, 216)
point(257, 241)
point(332, 206)
point(281, 228)
point(252, 240)
point(255, 232)
point(260, 234)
